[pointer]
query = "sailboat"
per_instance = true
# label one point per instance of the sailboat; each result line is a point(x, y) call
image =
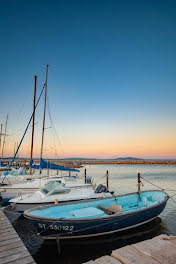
point(26, 188)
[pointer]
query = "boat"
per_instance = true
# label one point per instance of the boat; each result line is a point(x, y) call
point(18, 189)
point(99, 217)
point(55, 192)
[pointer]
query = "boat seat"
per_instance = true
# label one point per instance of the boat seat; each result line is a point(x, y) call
point(113, 209)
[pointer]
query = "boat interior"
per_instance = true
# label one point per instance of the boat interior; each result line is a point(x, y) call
point(101, 208)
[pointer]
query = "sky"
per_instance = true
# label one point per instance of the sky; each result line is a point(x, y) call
point(111, 80)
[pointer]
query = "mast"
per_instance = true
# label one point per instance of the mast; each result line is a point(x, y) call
point(4, 137)
point(0, 136)
point(44, 112)
point(33, 120)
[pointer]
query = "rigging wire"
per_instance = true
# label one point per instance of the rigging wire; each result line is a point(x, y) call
point(52, 124)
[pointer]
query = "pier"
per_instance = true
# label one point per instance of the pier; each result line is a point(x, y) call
point(159, 250)
point(12, 249)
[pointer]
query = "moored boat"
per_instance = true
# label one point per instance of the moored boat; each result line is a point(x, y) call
point(99, 217)
point(54, 192)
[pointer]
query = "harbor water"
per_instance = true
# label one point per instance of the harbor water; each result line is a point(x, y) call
point(122, 179)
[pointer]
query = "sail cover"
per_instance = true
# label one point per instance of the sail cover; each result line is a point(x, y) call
point(47, 165)
point(33, 165)
point(2, 164)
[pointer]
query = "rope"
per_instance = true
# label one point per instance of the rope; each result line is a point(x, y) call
point(158, 186)
point(52, 124)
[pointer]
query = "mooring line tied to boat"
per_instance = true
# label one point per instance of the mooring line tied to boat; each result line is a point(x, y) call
point(10, 212)
point(163, 189)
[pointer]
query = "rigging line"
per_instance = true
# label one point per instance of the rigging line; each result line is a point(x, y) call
point(100, 179)
point(6, 173)
point(49, 113)
point(157, 185)
point(172, 199)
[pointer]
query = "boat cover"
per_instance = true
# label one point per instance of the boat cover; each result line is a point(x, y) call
point(47, 165)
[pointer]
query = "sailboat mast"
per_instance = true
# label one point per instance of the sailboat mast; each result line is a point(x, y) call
point(33, 120)
point(0, 136)
point(44, 112)
point(4, 137)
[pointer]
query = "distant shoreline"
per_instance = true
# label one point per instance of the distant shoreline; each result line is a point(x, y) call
point(81, 163)
point(119, 162)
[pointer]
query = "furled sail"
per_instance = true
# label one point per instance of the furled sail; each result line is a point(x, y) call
point(47, 165)
point(33, 165)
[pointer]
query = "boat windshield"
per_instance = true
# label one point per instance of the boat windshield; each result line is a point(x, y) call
point(51, 185)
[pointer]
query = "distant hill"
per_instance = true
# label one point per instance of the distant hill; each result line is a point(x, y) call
point(78, 159)
point(129, 158)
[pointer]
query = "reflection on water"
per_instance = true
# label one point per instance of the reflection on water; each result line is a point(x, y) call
point(123, 179)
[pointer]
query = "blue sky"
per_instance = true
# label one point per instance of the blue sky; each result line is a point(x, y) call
point(111, 84)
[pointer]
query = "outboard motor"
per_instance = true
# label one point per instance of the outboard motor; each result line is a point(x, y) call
point(88, 179)
point(101, 188)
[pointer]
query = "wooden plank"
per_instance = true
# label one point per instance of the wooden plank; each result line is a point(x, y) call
point(12, 251)
point(107, 260)
point(104, 260)
point(11, 246)
point(26, 260)
point(161, 248)
point(8, 225)
point(10, 241)
point(15, 257)
point(6, 230)
point(5, 234)
point(130, 255)
point(7, 237)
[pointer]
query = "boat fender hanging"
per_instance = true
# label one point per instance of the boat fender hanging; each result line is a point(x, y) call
point(55, 201)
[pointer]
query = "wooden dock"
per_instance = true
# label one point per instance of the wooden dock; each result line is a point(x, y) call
point(159, 250)
point(12, 249)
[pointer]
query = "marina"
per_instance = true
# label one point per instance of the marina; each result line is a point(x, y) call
point(121, 180)
point(87, 132)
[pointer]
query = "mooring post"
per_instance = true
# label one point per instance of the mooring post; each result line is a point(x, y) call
point(69, 173)
point(107, 179)
point(57, 172)
point(139, 183)
point(85, 175)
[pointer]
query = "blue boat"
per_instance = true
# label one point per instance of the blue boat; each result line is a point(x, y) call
point(98, 217)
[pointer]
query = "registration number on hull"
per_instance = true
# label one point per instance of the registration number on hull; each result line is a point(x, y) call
point(56, 227)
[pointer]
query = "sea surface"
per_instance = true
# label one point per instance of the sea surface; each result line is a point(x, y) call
point(122, 179)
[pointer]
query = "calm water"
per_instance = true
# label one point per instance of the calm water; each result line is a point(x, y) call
point(122, 179)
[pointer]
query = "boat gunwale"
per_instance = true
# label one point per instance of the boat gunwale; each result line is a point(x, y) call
point(106, 217)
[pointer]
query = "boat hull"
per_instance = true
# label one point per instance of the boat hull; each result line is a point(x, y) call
point(65, 229)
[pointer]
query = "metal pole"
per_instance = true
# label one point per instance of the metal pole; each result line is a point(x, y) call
point(4, 137)
point(0, 136)
point(107, 179)
point(33, 120)
point(139, 183)
point(85, 175)
point(44, 112)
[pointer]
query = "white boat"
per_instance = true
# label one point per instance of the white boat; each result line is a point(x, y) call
point(18, 189)
point(59, 193)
